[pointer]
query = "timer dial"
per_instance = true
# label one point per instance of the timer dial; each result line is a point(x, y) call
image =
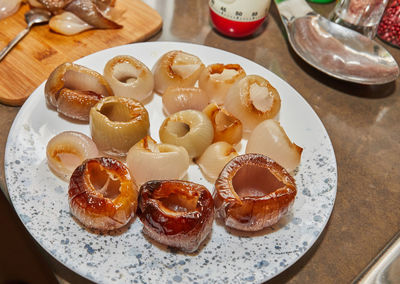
point(236, 18)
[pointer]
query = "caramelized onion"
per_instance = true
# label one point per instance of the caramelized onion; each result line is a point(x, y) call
point(252, 100)
point(68, 23)
point(68, 150)
point(8, 7)
point(148, 160)
point(102, 194)
point(253, 192)
point(270, 139)
point(176, 213)
point(217, 79)
point(191, 129)
point(214, 159)
point(118, 123)
point(54, 5)
point(34, 3)
point(76, 104)
point(129, 77)
point(176, 69)
point(176, 99)
point(90, 12)
point(73, 89)
point(226, 127)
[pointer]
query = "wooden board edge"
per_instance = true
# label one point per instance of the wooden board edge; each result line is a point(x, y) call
point(19, 101)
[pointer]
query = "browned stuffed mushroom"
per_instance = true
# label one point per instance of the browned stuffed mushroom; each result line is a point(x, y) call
point(176, 213)
point(253, 192)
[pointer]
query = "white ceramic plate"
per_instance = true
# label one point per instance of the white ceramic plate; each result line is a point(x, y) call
point(40, 198)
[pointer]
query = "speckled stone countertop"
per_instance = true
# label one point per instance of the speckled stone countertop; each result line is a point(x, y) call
point(362, 122)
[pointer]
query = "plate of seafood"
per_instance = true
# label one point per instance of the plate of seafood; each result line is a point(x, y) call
point(170, 162)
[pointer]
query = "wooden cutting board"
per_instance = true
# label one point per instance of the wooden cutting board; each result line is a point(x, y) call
point(35, 56)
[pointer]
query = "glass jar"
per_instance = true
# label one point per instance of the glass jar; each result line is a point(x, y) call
point(360, 15)
point(389, 27)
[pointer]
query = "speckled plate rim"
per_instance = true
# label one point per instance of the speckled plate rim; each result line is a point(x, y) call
point(178, 266)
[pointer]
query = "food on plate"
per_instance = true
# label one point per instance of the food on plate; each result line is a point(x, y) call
point(214, 159)
point(148, 160)
point(102, 194)
point(191, 129)
point(216, 80)
point(253, 192)
point(129, 77)
point(176, 69)
point(68, 23)
point(8, 7)
point(98, 14)
point(252, 100)
point(226, 127)
point(177, 98)
point(176, 213)
point(68, 150)
point(73, 89)
point(118, 123)
point(270, 139)
point(35, 3)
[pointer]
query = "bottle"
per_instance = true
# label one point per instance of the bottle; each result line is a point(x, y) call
point(321, 1)
point(238, 18)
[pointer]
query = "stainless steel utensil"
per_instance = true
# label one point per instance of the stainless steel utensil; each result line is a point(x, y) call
point(32, 17)
point(333, 49)
point(385, 267)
